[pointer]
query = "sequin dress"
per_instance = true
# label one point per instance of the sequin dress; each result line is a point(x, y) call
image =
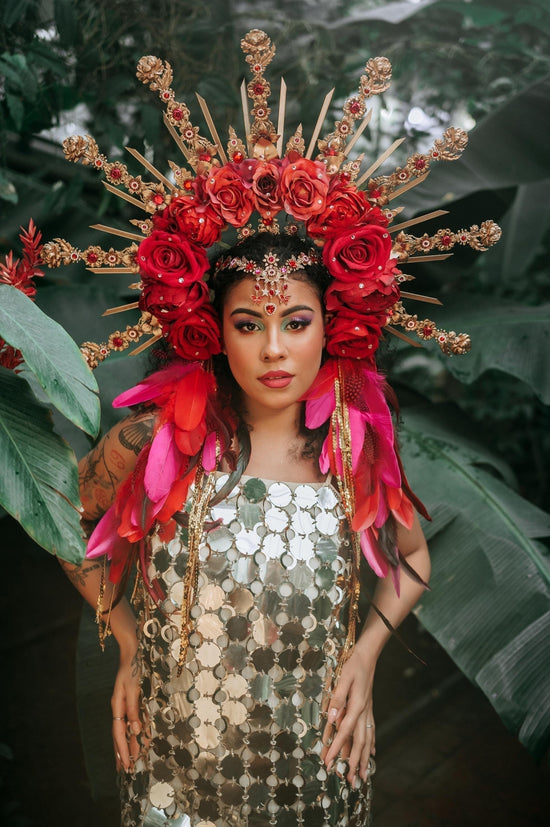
point(236, 738)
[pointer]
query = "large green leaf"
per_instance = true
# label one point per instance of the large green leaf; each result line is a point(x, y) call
point(52, 356)
point(489, 604)
point(505, 336)
point(38, 484)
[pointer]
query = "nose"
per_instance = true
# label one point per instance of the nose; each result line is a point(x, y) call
point(273, 347)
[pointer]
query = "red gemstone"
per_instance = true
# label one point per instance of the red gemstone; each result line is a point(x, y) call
point(375, 194)
point(238, 157)
point(354, 107)
point(118, 341)
point(187, 185)
point(427, 331)
point(420, 163)
point(177, 114)
point(446, 240)
point(258, 89)
point(267, 221)
point(92, 258)
point(204, 156)
point(116, 173)
point(158, 199)
point(270, 309)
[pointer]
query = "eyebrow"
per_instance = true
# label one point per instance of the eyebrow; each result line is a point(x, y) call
point(258, 315)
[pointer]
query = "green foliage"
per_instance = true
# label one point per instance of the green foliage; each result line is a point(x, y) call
point(493, 573)
point(38, 484)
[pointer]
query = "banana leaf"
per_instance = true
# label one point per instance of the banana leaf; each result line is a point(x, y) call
point(505, 336)
point(38, 484)
point(52, 356)
point(489, 604)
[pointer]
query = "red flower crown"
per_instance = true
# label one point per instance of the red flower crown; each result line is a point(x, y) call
point(361, 246)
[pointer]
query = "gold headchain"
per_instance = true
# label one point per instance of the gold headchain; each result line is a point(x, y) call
point(206, 158)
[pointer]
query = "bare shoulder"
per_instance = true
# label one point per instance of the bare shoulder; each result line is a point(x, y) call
point(113, 459)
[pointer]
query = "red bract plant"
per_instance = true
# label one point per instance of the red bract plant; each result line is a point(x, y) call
point(20, 273)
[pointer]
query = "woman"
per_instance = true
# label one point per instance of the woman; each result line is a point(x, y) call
point(260, 466)
point(254, 729)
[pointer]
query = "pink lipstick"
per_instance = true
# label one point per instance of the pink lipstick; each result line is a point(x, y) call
point(276, 379)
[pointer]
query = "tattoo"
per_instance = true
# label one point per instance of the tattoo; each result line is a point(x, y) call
point(78, 574)
point(136, 434)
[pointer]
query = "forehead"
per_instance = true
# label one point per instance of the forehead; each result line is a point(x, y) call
point(299, 293)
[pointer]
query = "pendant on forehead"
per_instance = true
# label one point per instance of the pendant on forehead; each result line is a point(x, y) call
point(270, 308)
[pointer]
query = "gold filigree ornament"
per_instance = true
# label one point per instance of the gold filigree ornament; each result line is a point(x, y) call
point(263, 142)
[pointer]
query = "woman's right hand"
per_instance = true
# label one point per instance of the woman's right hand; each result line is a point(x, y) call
point(125, 705)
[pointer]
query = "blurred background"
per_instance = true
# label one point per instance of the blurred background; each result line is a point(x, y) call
point(476, 443)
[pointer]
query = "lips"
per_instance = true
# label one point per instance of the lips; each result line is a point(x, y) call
point(276, 379)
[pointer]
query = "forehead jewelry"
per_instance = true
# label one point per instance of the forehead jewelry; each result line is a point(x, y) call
point(271, 277)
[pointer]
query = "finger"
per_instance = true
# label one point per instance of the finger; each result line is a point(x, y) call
point(345, 728)
point(120, 739)
point(368, 750)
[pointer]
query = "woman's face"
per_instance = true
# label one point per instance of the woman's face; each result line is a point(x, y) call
point(274, 358)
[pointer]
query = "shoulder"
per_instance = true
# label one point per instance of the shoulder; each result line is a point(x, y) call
point(112, 460)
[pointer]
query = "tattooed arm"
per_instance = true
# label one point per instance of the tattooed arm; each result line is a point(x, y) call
point(101, 473)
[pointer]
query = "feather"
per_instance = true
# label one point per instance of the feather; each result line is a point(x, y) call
point(209, 453)
point(190, 399)
point(357, 429)
point(373, 555)
point(103, 536)
point(164, 464)
point(177, 496)
point(319, 408)
point(155, 385)
point(190, 442)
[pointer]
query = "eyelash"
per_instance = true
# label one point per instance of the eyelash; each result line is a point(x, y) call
point(249, 326)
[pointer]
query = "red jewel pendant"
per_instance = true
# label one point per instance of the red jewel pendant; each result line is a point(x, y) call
point(270, 309)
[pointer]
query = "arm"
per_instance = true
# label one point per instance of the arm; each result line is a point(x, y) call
point(101, 473)
point(350, 706)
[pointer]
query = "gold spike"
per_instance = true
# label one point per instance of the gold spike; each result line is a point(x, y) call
point(320, 122)
point(125, 196)
point(132, 306)
point(380, 161)
point(414, 182)
point(181, 146)
point(144, 345)
point(114, 270)
point(438, 257)
point(153, 170)
point(364, 123)
point(113, 231)
point(402, 336)
point(419, 220)
point(211, 126)
point(281, 119)
point(418, 297)
point(246, 115)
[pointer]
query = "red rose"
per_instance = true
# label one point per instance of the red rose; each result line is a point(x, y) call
point(352, 336)
point(230, 194)
point(265, 186)
point(196, 335)
point(170, 258)
point(169, 303)
point(369, 296)
point(304, 187)
point(187, 215)
point(346, 206)
point(360, 254)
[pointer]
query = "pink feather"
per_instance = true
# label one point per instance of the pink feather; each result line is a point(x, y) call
point(163, 464)
point(373, 555)
point(153, 385)
point(357, 429)
point(209, 452)
point(104, 536)
point(319, 409)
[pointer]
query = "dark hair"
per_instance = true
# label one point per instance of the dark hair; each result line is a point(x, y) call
point(255, 248)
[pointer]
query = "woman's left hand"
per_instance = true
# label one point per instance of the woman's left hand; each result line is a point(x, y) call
point(350, 717)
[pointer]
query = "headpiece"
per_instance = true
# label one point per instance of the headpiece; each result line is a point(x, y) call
point(347, 214)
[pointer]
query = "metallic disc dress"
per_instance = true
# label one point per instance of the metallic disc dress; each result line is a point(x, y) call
point(236, 738)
